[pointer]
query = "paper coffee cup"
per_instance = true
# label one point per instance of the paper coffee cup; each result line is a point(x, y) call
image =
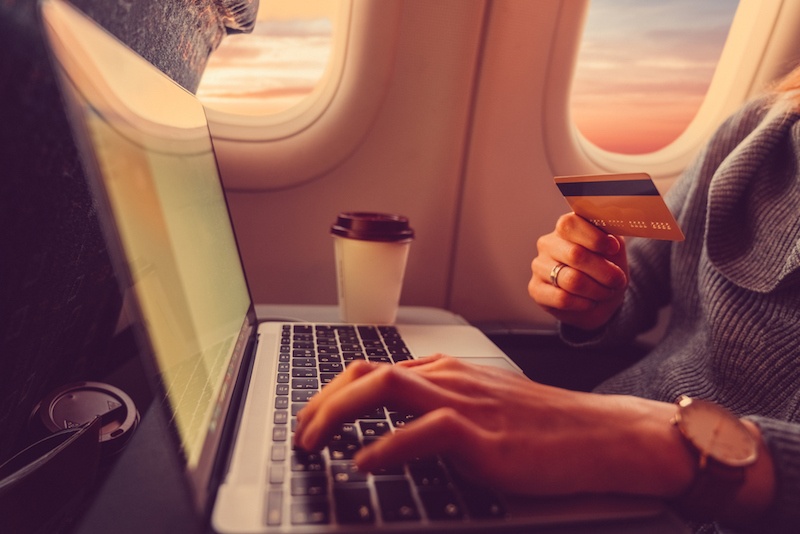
point(371, 253)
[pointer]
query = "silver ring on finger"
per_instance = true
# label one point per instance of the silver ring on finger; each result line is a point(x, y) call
point(554, 274)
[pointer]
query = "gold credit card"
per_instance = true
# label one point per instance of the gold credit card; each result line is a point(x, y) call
point(622, 204)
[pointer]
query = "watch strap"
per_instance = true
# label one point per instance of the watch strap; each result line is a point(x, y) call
point(715, 484)
point(712, 490)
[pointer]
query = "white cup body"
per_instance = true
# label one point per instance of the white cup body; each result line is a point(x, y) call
point(370, 279)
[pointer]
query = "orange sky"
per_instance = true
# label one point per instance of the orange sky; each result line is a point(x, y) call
point(644, 68)
point(634, 125)
point(308, 9)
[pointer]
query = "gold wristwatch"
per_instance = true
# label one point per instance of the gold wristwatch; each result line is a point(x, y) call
point(724, 448)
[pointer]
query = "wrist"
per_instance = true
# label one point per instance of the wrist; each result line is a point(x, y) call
point(648, 456)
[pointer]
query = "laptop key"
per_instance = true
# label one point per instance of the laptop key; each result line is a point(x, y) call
point(304, 372)
point(482, 503)
point(372, 429)
point(440, 504)
point(278, 452)
point(343, 450)
point(427, 474)
point(311, 513)
point(277, 473)
point(368, 332)
point(304, 362)
point(396, 501)
point(391, 471)
point(347, 432)
point(400, 419)
point(347, 473)
point(305, 383)
point(330, 367)
point(309, 486)
point(377, 413)
point(309, 462)
point(326, 378)
point(280, 433)
point(353, 506)
point(274, 508)
point(302, 395)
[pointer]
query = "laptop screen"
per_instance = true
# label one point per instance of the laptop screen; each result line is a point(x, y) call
point(147, 147)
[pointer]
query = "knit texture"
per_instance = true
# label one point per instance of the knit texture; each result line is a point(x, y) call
point(734, 288)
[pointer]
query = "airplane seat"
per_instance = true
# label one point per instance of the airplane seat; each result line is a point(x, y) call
point(59, 300)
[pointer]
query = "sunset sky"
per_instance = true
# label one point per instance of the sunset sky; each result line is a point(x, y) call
point(644, 68)
point(278, 64)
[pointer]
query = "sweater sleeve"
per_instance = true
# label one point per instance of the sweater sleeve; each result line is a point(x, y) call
point(783, 441)
point(652, 261)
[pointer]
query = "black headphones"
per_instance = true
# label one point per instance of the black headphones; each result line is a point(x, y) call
point(81, 423)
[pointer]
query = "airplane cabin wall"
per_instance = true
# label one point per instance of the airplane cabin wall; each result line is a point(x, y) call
point(509, 196)
point(410, 162)
point(457, 145)
point(465, 143)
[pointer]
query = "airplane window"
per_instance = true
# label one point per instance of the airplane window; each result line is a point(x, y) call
point(278, 65)
point(644, 68)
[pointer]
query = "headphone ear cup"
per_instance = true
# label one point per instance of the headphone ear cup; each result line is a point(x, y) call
point(79, 403)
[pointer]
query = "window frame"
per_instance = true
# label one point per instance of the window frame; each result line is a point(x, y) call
point(330, 123)
point(742, 59)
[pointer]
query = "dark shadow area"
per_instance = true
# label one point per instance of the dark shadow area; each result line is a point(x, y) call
point(545, 358)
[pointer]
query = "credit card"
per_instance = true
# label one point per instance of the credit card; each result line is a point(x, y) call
point(622, 204)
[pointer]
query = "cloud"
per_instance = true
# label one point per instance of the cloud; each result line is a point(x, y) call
point(644, 68)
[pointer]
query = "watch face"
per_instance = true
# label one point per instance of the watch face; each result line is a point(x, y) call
point(717, 433)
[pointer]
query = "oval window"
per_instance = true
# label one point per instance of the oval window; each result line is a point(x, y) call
point(644, 68)
point(275, 67)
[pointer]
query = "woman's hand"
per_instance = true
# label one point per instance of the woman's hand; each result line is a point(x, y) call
point(505, 430)
point(592, 283)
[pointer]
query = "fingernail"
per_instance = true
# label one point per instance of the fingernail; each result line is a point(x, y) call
point(612, 245)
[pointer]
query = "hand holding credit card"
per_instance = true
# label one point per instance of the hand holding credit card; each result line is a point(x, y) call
point(622, 204)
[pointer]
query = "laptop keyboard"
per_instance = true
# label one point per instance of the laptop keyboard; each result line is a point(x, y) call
point(325, 488)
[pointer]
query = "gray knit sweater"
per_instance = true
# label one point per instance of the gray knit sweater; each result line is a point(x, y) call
point(734, 288)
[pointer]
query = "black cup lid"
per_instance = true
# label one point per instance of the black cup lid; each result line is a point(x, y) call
point(76, 404)
point(370, 226)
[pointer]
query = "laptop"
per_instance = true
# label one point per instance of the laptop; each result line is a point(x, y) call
point(231, 387)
